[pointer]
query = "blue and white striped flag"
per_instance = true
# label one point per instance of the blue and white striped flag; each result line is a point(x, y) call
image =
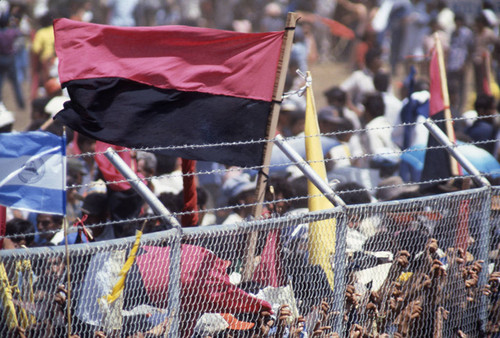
point(33, 171)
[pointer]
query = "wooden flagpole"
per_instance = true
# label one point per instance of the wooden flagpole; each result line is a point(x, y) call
point(450, 132)
point(279, 85)
point(3, 223)
point(47, 123)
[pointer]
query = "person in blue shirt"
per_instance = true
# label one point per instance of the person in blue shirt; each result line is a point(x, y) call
point(484, 128)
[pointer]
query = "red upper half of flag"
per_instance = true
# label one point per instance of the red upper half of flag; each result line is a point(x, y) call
point(436, 102)
point(171, 57)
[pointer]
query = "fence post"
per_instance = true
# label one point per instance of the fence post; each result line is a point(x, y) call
point(450, 147)
point(339, 268)
point(174, 288)
point(341, 230)
point(484, 247)
point(308, 171)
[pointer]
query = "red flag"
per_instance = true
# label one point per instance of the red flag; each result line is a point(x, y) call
point(168, 86)
point(190, 196)
point(462, 235)
point(436, 103)
point(438, 163)
point(486, 86)
point(269, 272)
point(486, 74)
point(338, 29)
point(108, 170)
point(205, 285)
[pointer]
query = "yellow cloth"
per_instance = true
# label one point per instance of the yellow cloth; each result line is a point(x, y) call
point(120, 284)
point(321, 233)
point(9, 310)
point(43, 43)
point(24, 267)
point(471, 97)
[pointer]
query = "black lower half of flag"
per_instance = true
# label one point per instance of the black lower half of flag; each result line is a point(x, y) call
point(437, 166)
point(130, 114)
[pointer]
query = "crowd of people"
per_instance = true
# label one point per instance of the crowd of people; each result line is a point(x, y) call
point(432, 283)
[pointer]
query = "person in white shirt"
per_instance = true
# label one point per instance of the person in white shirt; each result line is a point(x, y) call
point(393, 105)
point(337, 100)
point(445, 18)
point(240, 191)
point(360, 82)
point(341, 129)
point(378, 129)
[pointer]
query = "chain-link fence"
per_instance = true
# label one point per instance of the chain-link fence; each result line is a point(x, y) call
point(414, 268)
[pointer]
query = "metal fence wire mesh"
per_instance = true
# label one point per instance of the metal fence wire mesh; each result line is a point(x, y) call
point(411, 268)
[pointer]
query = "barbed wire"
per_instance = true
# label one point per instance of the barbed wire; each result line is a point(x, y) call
point(243, 205)
point(239, 143)
point(284, 164)
point(223, 171)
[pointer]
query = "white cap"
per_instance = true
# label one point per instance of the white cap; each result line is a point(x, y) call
point(6, 116)
point(55, 105)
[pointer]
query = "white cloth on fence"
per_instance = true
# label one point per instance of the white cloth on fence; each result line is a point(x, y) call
point(210, 323)
point(233, 218)
point(355, 239)
point(278, 296)
point(102, 273)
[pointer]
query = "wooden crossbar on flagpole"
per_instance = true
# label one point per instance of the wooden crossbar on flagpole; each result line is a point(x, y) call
point(279, 85)
point(450, 132)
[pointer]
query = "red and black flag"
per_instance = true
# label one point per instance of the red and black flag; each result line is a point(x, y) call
point(169, 86)
point(438, 164)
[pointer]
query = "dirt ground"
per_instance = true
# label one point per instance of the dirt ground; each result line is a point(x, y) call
point(22, 116)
